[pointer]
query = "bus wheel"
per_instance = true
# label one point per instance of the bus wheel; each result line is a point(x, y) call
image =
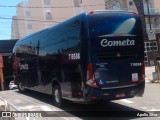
point(21, 88)
point(57, 96)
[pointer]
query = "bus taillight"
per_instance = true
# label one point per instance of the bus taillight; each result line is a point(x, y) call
point(91, 12)
point(134, 13)
point(90, 77)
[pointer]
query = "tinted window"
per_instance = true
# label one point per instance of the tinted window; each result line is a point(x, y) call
point(61, 39)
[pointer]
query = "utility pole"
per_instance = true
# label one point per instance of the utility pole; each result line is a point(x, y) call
point(149, 17)
point(150, 27)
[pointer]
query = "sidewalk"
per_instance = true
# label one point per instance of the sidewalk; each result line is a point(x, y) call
point(149, 71)
point(149, 74)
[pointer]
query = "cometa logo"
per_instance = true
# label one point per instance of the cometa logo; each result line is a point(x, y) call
point(128, 42)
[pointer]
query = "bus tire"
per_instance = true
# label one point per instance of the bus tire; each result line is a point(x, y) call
point(57, 97)
point(21, 88)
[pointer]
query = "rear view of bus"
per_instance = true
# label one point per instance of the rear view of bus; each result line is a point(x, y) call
point(116, 62)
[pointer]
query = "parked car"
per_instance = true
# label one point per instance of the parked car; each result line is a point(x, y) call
point(12, 86)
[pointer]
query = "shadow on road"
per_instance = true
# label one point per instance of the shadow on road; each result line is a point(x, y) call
point(89, 111)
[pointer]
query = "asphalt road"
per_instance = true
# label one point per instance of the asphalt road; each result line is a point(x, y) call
point(34, 101)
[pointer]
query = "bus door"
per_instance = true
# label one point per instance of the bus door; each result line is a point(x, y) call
point(116, 49)
point(71, 76)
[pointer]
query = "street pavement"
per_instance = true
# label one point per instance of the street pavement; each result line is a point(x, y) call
point(149, 72)
point(33, 101)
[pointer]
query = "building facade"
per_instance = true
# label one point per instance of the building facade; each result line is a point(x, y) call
point(14, 30)
point(34, 15)
point(152, 20)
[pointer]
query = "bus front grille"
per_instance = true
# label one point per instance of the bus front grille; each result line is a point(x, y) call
point(116, 55)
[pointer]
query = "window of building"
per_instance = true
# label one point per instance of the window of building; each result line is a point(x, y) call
point(148, 6)
point(149, 24)
point(112, 4)
point(48, 16)
point(116, 5)
point(150, 46)
point(27, 13)
point(157, 21)
point(130, 3)
point(77, 3)
point(147, 44)
point(137, 3)
point(47, 2)
point(145, 57)
point(29, 26)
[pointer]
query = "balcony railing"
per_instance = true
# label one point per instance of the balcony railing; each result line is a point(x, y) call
point(157, 30)
point(152, 11)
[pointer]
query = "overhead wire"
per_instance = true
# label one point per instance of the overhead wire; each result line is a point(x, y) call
point(28, 19)
point(50, 6)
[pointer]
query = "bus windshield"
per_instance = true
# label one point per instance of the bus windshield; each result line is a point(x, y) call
point(115, 31)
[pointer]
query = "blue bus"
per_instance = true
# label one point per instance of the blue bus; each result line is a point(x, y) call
point(92, 57)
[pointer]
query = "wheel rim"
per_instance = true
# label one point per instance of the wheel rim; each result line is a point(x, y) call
point(57, 96)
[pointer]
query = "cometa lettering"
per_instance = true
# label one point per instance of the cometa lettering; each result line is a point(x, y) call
point(128, 42)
